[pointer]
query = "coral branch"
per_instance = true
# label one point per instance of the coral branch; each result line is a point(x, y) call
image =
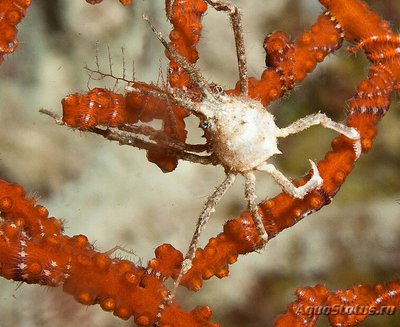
point(33, 250)
point(298, 313)
point(372, 99)
point(343, 308)
point(97, 107)
point(11, 14)
point(289, 63)
point(185, 17)
point(15, 208)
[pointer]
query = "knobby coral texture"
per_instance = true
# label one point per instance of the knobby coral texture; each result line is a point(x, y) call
point(12, 13)
point(35, 250)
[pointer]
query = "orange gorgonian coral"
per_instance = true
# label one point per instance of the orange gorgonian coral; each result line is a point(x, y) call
point(11, 13)
point(34, 249)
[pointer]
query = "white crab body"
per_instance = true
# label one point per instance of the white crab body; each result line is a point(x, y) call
point(242, 132)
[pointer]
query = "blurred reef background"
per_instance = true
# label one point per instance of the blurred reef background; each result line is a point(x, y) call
point(115, 196)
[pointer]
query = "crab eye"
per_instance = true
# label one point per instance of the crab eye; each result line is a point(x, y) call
point(217, 89)
point(205, 124)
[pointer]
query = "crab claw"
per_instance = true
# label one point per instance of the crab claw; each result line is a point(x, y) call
point(357, 146)
point(314, 182)
point(355, 136)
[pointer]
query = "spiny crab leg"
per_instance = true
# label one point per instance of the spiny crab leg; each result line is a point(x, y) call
point(287, 186)
point(320, 118)
point(250, 195)
point(234, 15)
point(129, 135)
point(209, 207)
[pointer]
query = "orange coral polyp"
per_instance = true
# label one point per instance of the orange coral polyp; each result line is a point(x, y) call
point(108, 304)
point(13, 17)
point(5, 204)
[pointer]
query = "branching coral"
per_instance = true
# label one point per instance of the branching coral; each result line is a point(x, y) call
point(33, 248)
point(11, 13)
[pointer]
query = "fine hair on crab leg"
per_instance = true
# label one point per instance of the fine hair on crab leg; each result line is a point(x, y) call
point(158, 135)
point(126, 135)
point(132, 140)
point(209, 207)
point(234, 15)
point(169, 4)
point(191, 69)
point(250, 195)
point(287, 186)
point(320, 118)
point(98, 73)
